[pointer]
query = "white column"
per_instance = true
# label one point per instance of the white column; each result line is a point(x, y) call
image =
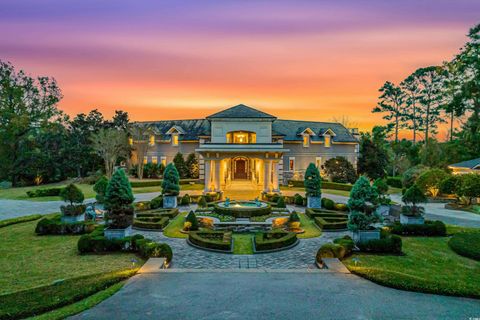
point(217, 175)
point(276, 187)
point(208, 177)
point(266, 175)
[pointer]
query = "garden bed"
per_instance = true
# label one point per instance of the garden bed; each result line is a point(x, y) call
point(218, 241)
point(274, 241)
point(328, 220)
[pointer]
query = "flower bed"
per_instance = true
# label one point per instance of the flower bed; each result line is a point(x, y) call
point(211, 240)
point(274, 240)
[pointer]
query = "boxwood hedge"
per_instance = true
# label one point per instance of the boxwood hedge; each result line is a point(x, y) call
point(466, 244)
point(216, 240)
point(265, 241)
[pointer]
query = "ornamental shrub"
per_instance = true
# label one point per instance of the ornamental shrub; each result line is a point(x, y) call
point(358, 221)
point(381, 185)
point(330, 250)
point(469, 186)
point(429, 181)
point(72, 194)
point(203, 202)
point(171, 179)
point(466, 244)
point(410, 176)
point(395, 182)
point(312, 181)
point(391, 244)
point(414, 195)
point(328, 204)
point(347, 243)
point(339, 169)
point(118, 200)
point(281, 202)
point(449, 184)
point(185, 201)
point(156, 202)
point(193, 221)
point(100, 188)
point(294, 217)
point(361, 194)
point(429, 229)
point(298, 200)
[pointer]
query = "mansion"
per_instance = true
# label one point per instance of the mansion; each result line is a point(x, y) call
point(245, 145)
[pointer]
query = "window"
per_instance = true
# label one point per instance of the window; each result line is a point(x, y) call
point(163, 160)
point(318, 162)
point(145, 160)
point(154, 159)
point(151, 140)
point(175, 139)
point(130, 141)
point(328, 141)
point(306, 140)
point(241, 137)
point(291, 164)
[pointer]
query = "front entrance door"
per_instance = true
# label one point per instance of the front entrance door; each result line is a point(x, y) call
point(240, 169)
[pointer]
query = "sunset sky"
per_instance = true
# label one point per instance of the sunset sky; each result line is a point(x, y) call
point(157, 60)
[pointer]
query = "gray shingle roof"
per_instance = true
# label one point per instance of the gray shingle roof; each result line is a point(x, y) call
point(241, 111)
point(192, 128)
point(291, 128)
point(467, 164)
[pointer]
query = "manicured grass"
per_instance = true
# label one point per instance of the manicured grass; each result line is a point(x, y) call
point(28, 260)
point(242, 243)
point(174, 227)
point(307, 224)
point(429, 265)
point(466, 244)
point(81, 305)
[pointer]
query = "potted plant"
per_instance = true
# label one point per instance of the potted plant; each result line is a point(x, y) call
point(170, 186)
point(313, 184)
point(362, 204)
point(411, 212)
point(75, 211)
point(119, 205)
point(384, 201)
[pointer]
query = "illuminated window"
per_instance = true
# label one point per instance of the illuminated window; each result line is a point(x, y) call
point(306, 140)
point(130, 141)
point(328, 141)
point(163, 160)
point(241, 137)
point(152, 140)
point(145, 160)
point(154, 159)
point(291, 164)
point(318, 162)
point(175, 139)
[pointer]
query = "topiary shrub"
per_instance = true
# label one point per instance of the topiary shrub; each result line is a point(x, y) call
point(281, 202)
point(330, 250)
point(313, 181)
point(429, 229)
point(193, 221)
point(361, 194)
point(347, 243)
point(185, 201)
point(171, 181)
point(100, 188)
point(75, 197)
point(391, 244)
point(298, 200)
point(156, 202)
point(429, 181)
point(203, 202)
point(328, 204)
point(414, 195)
point(118, 201)
point(466, 244)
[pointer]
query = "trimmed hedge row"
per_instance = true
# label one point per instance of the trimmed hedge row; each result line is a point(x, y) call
point(315, 212)
point(340, 248)
point(243, 212)
point(325, 185)
point(47, 192)
point(429, 229)
point(331, 223)
point(155, 183)
point(170, 213)
point(389, 244)
point(30, 302)
point(9, 222)
point(395, 182)
point(272, 240)
point(216, 240)
point(155, 223)
point(466, 244)
point(54, 225)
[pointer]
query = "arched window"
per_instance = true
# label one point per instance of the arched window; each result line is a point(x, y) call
point(241, 137)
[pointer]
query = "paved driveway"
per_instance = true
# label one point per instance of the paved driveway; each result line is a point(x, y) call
point(272, 296)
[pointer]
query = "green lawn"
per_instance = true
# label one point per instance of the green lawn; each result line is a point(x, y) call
point(307, 224)
point(174, 227)
point(29, 261)
point(429, 265)
point(87, 189)
point(242, 243)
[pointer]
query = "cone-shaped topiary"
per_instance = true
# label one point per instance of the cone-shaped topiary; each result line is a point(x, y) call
point(72, 194)
point(312, 182)
point(203, 202)
point(281, 202)
point(359, 221)
point(118, 200)
point(193, 221)
point(361, 193)
point(294, 217)
point(414, 195)
point(171, 180)
point(100, 188)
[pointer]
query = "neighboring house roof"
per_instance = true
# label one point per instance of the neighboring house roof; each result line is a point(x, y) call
point(241, 111)
point(290, 129)
point(469, 164)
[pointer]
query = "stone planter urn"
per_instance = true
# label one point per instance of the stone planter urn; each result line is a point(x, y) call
point(73, 219)
point(406, 219)
point(314, 202)
point(169, 202)
point(117, 233)
point(383, 210)
point(366, 235)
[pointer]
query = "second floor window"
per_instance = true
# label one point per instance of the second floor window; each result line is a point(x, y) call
point(306, 140)
point(151, 141)
point(175, 139)
point(328, 141)
point(241, 137)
